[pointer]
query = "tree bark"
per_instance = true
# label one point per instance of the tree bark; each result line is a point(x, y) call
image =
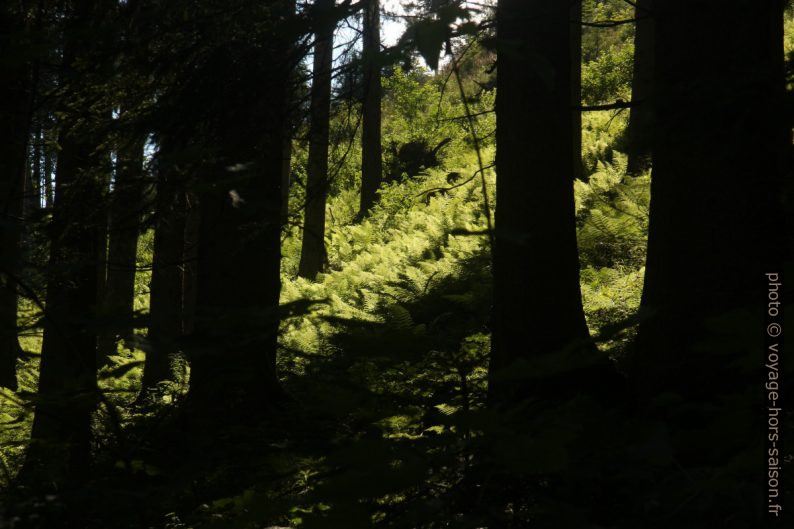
point(59, 450)
point(232, 349)
point(102, 232)
point(14, 126)
point(124, 225)
point(576, 88)
point(313, 244)
point(165, 305)
point(33, 185)
point(639, 131)
point(721, 159)
point(537, 302)
point(190, 267)
point(720, 162)
point(286, 167)
point(289, 128)
point(49, 165)
point(371, 147)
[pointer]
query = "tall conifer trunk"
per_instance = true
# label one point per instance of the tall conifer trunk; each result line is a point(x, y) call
point(720, 161)
point(124, 225)
point(313, 244)
point(60, 440)
point(49, 166)
point(721, 157)
point(14, 125)
point(190, 263)
point(233, 344)
point(576, 88)
point(639, 131)
point(33, 185)
point(371, 148)
point(166, 298)
point(537, 303)
point(286, 180)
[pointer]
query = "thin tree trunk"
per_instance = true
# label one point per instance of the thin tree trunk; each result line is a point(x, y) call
point(371, 148)
point(102, 251)
point(639, 131)
point(286, 160)
point(313, 244)
point(190, 267)
point(33, 190)
point(31, 203)
point(537, 302)
point(165, 305)
point(124, 226)
point(49, 168)
point(576, 88)
point(14, 125)
point(286, 163)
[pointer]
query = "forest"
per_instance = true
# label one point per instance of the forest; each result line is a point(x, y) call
point(298, 264)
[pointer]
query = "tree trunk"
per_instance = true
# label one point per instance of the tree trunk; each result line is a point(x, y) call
point(14, 125)
point(124, 225)
point(639, 131)
point(165, 305)
point(286, 166)
point(33, 186)
point(102, 232)
point(289, 128)
point(236, 322)
point(313, 245)
point(717, 225)
point(190, 267)
point(371, 148)
point(233, 346)
point(49, 167)
point(720, 161)
point(59, 450)
point(537, 302)
point(576, 88)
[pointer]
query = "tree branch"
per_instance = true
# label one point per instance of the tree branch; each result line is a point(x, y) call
point(611, 23)
point(610, 106)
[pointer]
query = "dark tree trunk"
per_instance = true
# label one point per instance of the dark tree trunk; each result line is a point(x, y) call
point(33, 186)
point(286, 166)
point(720, 161)
point(102, 255)
point(286, 160)
point(190, 267)
point(124, 225)
point(60, 440)
point(14, 125)
point(537, 302)
point(236, 320)
point(721, 157)
point(371, 148)
point(165, 301)
point(49, 167)
point(639, 131)
point(313, 245)
point(576, 88)
point(233, 345)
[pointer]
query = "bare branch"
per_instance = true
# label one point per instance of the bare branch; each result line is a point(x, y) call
point(611, 23)
point(610, 106)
